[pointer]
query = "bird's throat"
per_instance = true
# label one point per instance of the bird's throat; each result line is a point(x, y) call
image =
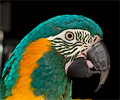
point(50, 78)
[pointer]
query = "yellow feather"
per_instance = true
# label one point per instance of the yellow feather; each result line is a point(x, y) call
point(22, 90)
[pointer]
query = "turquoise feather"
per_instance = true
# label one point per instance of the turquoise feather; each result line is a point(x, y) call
point(51, 77)
point(48, 28)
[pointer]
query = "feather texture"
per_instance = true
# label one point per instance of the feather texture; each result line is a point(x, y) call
point(12, 71)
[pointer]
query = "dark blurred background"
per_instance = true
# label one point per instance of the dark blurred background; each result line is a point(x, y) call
point(18, 18)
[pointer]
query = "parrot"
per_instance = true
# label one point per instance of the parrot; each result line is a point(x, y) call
point(44, 62)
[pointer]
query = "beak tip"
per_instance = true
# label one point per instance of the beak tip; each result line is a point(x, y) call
point(99, 55)
point(100, 85)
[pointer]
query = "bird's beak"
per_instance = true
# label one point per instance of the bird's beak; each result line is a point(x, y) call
point(99, 57)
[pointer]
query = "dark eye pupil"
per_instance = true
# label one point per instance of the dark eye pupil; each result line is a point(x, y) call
point(69, 35)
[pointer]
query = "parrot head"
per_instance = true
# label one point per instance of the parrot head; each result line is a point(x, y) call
point(57, 50)
point(83, 49)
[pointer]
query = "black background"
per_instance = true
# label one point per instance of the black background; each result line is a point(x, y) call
point(27, 15)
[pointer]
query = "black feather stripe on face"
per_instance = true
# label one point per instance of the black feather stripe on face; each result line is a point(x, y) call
point(80, 41)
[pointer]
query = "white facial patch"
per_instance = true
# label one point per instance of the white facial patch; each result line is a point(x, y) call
point(62, 36)
point(71, 42)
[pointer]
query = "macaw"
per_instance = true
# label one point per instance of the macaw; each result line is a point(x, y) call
point(44, 62)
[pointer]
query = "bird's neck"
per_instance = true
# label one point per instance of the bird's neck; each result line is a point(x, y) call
point(41, 74)
point(50, 78)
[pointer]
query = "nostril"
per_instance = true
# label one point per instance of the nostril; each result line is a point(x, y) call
point(95, 39)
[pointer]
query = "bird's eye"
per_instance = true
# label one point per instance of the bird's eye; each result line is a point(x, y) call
point(69, 36)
